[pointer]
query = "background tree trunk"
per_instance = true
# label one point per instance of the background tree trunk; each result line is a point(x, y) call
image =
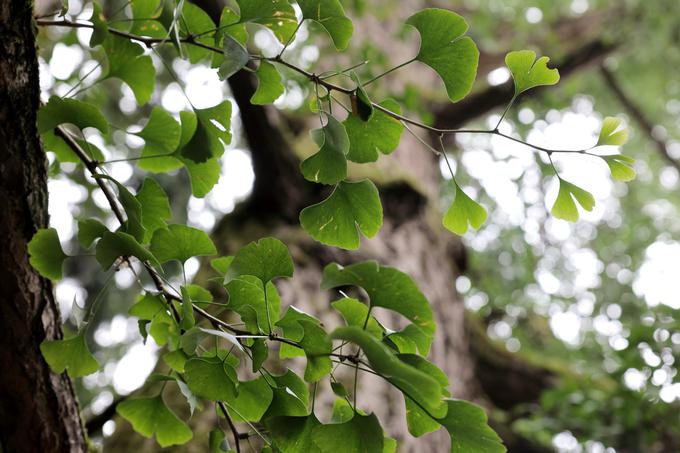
point(38, 409)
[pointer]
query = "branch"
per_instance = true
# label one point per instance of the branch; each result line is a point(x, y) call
point(314, 78)
point(234, 431)
point(637, 114)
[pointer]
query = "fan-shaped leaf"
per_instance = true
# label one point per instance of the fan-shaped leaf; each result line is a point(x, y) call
point(180, 242)
point(527, 72)
point(612, 133)
point(46, 254)
point(331, 16)
point(72, 111)
point(71, 354)
point(565, 207)
point(468, 428)
point(150, 416)
point(444, 48)
point(269, 86)
point(335, 220)
point(463, 211)
point(381, 133)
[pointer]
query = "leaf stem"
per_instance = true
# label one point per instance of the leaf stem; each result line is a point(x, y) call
point(399, 66)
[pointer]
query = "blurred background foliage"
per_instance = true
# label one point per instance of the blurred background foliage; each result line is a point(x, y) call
point(594, 302)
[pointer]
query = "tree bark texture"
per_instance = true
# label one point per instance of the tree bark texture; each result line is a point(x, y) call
point(38, 409)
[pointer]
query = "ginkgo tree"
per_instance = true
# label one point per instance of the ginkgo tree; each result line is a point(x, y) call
point(209, 358)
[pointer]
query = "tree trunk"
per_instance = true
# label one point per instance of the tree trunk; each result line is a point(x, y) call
point(38, 409)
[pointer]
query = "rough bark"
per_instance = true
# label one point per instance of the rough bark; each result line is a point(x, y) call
point(38, 409)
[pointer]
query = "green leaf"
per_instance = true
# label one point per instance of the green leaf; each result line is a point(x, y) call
point(221, 264)
point(411, 381)
point(329, 164)
point(293, 330)
point(339, 389)
point(467, 426)
point(175, 360)
point(293, 434)
point(247, 298)
point(265, 259)
point(226, 335)
point(331, 16)
point(343, 411)
point(188, 320)
point(527, 72)
point(463, 211)
point(114, 245)
point(153, 312)
point(192, 400)
point(621, 167)
point(150, 416)
point(565, 207)
point(386, 287)
point(443, 47)
point(355, 314)
point(335, 220)
point(147, 307)
point(133, 210)
point(217, 441)
point(277, 15)
point(269, 86)
point(361, 434)
point(259, 353)
point(70, 111)
point(180, 242)
point(199, 295)
point(100, 28)
point(212, 133)
point(128, 63)
point(161, 136)
point(381, 133)
point(211, 378)
point(46, 254)
point(291, 396)
point(317, 347)
point(361, 103)
point(89, 230)
point(235, 57)
point(252, 401)
point(155, 207)
point(195, 21)
point(203, 176)
point(418, 421)
point(612, 133)
point(72, 354)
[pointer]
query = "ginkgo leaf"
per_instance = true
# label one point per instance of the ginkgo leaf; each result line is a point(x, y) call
point(445, 49)
point(468, 428)
point(277, 15)
point(100, 27)
point(386, 287)
point(527, 72)
point(336, 221)
point(361, 434)
point(417, 420)
point(211, 134)
point(128, 63)
point(329, 164)
point(72, 111)
point(265, 259)
point(252, 401)
point(71, 354)
point(114, 245)
point(565, 207)
point(89, 230)
point(612, 133)
point(291, 396)
point(188, 320)
point(155, 207)
point(356, 313)
point(293, 330)
point(413, 382)
point(381, 134)
point(269, 86)
point(621, 167)
point(149, 416)
point(463, 211)
point(211, 378)
point(161, 136)
point(46, 254)
point(247, 298)
point(235, 57)
point(180, 242)
point(331, 16)
point(195, 22)
point(293, 434)
point(362, 106)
